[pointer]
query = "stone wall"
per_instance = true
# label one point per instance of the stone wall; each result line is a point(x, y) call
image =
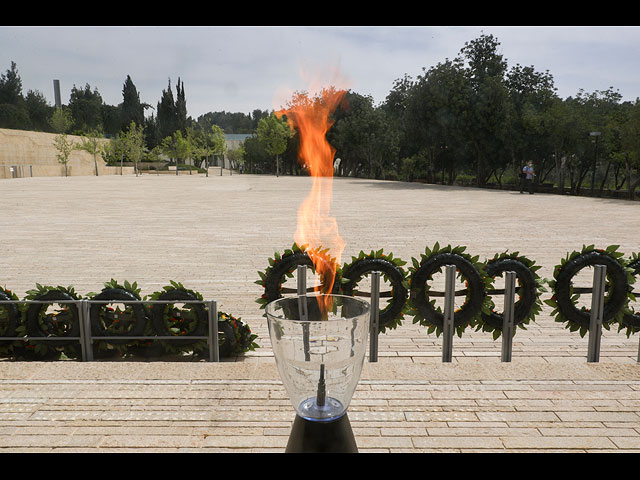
point(26, 154)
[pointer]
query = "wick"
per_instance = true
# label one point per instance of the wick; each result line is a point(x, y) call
point(320, 397)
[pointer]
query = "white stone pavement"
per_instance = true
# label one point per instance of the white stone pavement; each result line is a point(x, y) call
point(214, 233)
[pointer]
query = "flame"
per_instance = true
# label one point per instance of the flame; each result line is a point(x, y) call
point(317, 230)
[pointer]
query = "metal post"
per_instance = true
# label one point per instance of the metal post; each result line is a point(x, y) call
point(82, 311)
point(214, 349)
point(302, 291)
point(449, 304)
point(86, 343)
point(507, 315)
point(597, 311)
point(375, 317)
point(302, 308)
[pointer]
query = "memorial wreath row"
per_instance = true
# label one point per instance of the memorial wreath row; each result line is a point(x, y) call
point(411, 295)
point(184, 315)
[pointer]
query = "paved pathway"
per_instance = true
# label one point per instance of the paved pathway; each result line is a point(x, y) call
point(213, 234)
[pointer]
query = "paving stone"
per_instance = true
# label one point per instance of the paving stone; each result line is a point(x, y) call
point(214, 233)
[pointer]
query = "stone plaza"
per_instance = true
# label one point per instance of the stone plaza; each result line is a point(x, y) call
point(214, 233)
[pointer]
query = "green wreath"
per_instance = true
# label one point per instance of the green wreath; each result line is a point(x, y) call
point(108, 321)
point(424, 310)
point(190, 320)
point(234, 336)
point(531, 286)
point(64, 322)
point(617, 295)
point(391, 268)
point(631, 319)
point(244, 339)
point(10, 321)
point(283, 265)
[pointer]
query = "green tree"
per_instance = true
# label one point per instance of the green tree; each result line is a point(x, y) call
point(133, 139)
point(435, 116)
point(365, 139)
point(487, 103)
point(61, 120)
point(113, 152)
point(132, 108)
point(39, 111)
point(274, 133)
point(64, 147)
point(207, 142)
point(629, 153)
point(531, 93)
point(181, 108)
point(237, 156)
point(92, 144)
point(11, 86)
point(86, 109)
point(166, 114)
point(13, 113)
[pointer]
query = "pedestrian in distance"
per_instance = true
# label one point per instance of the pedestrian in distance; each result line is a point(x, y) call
point(526, 178)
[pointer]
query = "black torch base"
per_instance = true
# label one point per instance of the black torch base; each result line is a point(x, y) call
point(308, 436)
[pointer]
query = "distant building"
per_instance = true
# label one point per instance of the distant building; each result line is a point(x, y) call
point(234, 141)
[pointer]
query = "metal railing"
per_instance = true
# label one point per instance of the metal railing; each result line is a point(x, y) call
point(86, 339)
point(508, 328)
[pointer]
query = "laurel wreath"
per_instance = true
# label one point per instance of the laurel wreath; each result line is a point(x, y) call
point(282, 266)
point(9, 325)
point(398, 263)
point(182, 322)
point(562, 315)
point(631, 319)
point(57, 322)
point(536, 306)
point(245, 340)
point(485, 305)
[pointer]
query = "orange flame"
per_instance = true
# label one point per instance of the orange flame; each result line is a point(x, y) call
point(316, 229)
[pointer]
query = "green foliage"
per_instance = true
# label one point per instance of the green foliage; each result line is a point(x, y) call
point(487, 304)
point(612, 251)
point(63, 147)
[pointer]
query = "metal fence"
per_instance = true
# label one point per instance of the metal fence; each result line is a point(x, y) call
point(86, 339)
point(597, 291)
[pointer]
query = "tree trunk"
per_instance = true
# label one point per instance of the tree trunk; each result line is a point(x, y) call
point(560, 173)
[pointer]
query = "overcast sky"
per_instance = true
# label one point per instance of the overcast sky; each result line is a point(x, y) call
point(239, 69)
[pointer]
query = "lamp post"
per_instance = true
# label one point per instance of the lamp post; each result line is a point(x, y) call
point(595, 157)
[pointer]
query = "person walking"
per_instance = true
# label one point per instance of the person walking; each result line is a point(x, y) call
point(527, 178)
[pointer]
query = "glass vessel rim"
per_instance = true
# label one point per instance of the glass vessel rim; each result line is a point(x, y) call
point(269, 308)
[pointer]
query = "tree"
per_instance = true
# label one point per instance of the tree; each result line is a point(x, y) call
point(61, 120)
point(166, 114)
point(38, 110)
point(133, 139)
point(487, 103)
point(207, 142)
point(274, 133)
point(91, 143)
point(630, 147)
point(237, 157)
point(365, 139)
point(86, 109)
point(181, 108)
point(132, 109)
point(531, 93)
point(435, 119)
point(13, 113)
point(11, 87)
point(64, 147)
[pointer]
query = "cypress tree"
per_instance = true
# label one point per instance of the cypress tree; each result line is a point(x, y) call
point(166, 114)
point(132, 109)
point(181, 108)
